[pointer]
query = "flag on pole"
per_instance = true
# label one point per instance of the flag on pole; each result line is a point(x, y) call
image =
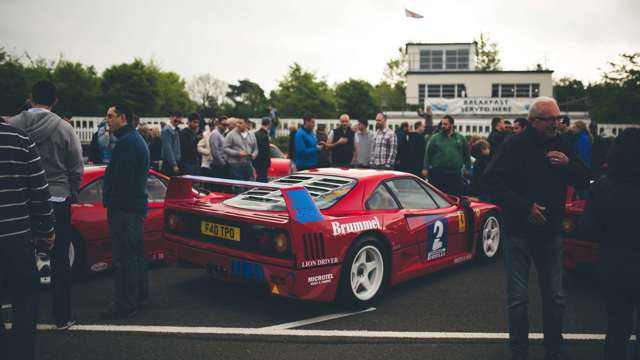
point(412, 14)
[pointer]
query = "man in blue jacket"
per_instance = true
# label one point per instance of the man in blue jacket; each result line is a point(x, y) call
point(306, 144)
point(125, 199)
point(171, 152)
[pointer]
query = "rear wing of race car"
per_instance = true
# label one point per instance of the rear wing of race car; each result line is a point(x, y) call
point(300, 205)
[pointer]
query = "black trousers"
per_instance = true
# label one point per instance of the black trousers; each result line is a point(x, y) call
point(61, 277)
point(220, 171)
point(168, 170)
point(131, 279)
point(261, 174)
point(19, 273)
point(622, 302)
point(448, 182)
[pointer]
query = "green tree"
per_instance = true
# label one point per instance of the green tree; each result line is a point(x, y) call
point(14, 88)
point(38, 69)
point(301, 91)
point(390, 97)
point(132, 84)
point(396, 70)
point(625, 73)
point(209, 94)
point(172, 93)
point(78, 89)
point(354, 97)
point(248, 99)
point(570, 94)
point(487, 54)
point(616, 99)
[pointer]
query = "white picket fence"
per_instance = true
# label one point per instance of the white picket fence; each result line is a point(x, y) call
point(86, 126)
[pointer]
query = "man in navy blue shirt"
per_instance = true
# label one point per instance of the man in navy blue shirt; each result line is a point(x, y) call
point(125, 199)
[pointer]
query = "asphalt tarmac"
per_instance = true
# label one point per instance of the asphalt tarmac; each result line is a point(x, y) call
point(456, 314)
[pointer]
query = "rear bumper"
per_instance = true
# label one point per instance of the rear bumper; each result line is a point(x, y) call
point(317, 284)
point(580, 254)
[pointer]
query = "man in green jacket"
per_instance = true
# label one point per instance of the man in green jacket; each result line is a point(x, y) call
point(446, 155)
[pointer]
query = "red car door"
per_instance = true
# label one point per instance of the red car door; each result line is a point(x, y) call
point(436, 225)
point(89, 218)
point(153, 242)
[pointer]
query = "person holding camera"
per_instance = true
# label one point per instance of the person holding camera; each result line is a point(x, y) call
point(528, 178)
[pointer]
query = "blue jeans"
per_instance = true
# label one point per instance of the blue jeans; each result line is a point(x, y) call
point(131, 282)
point(546, 253)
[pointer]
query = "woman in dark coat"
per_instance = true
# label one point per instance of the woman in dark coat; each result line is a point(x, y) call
point(610, 216)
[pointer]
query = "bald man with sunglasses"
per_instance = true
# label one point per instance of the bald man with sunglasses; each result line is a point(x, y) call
point(528, 178)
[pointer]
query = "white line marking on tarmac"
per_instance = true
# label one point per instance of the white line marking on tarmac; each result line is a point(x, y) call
point(316, 320)
point(426, 335)
point(6, 306)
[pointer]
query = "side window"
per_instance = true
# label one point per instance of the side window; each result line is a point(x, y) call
point(156, 188)
point(92, 193)
point(381, 200)
point(411, 195)
point(442, 202)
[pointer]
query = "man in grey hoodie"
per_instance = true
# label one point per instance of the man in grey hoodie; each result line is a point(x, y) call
point(241, 148)
point(61, 154)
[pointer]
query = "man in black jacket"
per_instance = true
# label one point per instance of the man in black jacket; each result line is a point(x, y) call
point(341, 143)
point(613, 204)
point(190, 161)
point(263, 161)
point(125, 199)
point(528, 178)
point(416, 147)
point(497, 135)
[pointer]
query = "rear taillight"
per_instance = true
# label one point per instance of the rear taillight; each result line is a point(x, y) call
point(176, 222)
point(281, 242)
point(272, 241)
point(264, 240)
point(172, 222)
point(568, 225)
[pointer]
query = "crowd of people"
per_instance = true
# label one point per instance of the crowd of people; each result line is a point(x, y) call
point(223, 148)
point(524, 166)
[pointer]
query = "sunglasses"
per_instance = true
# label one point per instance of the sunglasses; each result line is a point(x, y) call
point(551, 118)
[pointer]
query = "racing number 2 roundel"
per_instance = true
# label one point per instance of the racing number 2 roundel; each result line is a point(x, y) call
point(437, 239)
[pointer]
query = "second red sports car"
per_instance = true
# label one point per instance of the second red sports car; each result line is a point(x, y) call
point(90, 249)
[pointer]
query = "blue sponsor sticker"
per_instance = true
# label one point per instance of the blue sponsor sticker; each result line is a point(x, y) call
point(437, 238)
point(247, 270)
point(304, 209)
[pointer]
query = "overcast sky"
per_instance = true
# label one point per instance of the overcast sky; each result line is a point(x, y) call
point(338, 39)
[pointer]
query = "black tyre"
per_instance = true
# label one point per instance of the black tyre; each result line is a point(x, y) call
point(490, 238)
point(364, 273)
